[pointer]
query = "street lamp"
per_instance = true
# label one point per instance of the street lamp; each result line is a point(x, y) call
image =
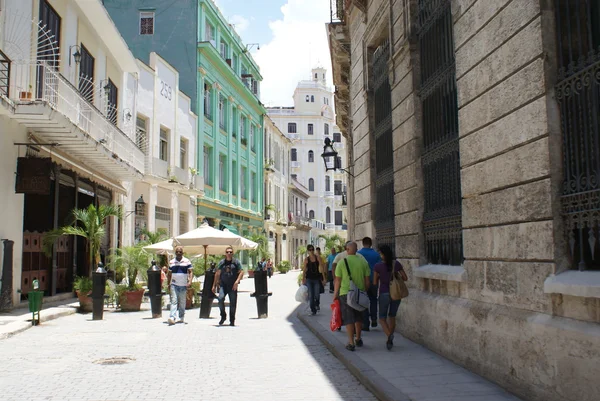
point(76, 55)
point(140, 207)
point(329, 151)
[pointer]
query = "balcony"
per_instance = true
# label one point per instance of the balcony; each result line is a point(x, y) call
point(295, 164)
point(328, 194)
point(160, 168)
point(41, 99)
point(293, 137)
point(330, 226)
point(181, 175)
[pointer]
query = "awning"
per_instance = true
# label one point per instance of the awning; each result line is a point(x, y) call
point(230, 228)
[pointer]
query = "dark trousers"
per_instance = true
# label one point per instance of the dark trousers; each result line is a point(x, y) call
point(314, 295)
point(370, 314)
point(232, 303)
point(330, 279)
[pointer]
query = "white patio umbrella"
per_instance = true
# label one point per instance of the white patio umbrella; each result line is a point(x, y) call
point(162, 248)
point(206, 240)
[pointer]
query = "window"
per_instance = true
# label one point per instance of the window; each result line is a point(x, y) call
point(243, 129)
point(311, 184)
point(312, 98)
point(210, 33)
point(141, 134)
point(328, 215)
point(222, 114)
point(326, 129)
point(316, 76)
point(311, 214)
point(291, 128)
point(339, 218)
point(337, 137)
point(253, 190)
point(183, 223)
point(234, 123)
point(222, 173)
point(338, 162)
point(207, 101)
point(223, 50)
point(163, 146)
point(311, 156)
point(255, 86)
point(183, 145)
point(162, 217)
point(337, 187)
point(328, 183)
point(112, 103)
point(294, 155)
point(244, 194)
point(206, 165)
point(252, 147)
point(234, 178)
point(295, 177)
point(307, 98)
point(86, 75)
point(310, 129)
point(147, 23)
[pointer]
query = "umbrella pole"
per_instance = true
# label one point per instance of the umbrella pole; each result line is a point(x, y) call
point(205, 258)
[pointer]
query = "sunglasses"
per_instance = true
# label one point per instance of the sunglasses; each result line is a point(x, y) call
point(310, 250)
point(229, 252)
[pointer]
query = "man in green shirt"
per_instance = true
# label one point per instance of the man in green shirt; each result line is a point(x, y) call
point(360, 273)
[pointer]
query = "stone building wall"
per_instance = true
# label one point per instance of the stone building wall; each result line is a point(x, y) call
point(495, 314)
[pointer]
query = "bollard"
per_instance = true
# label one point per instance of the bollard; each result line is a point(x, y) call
point(98, 286)
point(155, 290)
point(261, 294)
point(207, 296)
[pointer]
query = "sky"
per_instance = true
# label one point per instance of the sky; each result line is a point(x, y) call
point(292, 37)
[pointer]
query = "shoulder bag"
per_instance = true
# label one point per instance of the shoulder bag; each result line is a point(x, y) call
point(357, 298)
point(398, 288)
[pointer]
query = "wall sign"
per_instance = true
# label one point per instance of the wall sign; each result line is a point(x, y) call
point(165, 90)
point(33, 175)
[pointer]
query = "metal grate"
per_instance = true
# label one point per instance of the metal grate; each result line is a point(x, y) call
point(578, 95)
point(4, 74)
point(384, 157)
point(442, 220)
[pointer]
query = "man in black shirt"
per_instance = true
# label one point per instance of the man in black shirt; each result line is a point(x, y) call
point(228, 277)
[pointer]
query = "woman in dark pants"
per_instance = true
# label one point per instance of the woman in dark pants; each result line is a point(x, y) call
point(312, 278)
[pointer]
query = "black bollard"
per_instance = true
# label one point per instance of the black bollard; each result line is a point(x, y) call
point(207, 295)
point(155, 290)
point(6, 276)
point(98, 287)
point(261, 294)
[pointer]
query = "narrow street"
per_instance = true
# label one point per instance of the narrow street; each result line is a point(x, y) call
point(275, 359)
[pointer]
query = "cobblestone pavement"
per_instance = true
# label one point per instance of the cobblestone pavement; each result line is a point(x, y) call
point(273, 359)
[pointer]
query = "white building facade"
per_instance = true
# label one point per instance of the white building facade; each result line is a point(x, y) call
point(166, 132)
point(277, 149)
point(67, 87)
point(307, 124)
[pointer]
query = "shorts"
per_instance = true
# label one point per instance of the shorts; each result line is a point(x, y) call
point(387, 307)
point(349, 314)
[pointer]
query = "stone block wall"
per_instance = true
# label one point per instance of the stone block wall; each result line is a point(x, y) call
point(494, 316)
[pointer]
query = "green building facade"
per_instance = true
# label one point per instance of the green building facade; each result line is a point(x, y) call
point(230, 157)
point(218, 73)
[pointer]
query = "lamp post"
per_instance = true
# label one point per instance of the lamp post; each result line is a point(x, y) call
point(329, 151)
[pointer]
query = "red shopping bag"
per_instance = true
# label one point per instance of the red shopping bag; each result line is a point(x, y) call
point(336, 315)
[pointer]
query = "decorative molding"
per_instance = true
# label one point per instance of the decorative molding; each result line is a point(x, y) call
point(584, 284)
point(442, 272)
point(217, 86)
point(202, 71)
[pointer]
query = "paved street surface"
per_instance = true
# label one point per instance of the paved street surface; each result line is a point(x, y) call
point(274, 359)
point(407, 372)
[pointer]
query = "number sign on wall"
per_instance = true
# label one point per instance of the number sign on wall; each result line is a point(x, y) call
point(166, 90)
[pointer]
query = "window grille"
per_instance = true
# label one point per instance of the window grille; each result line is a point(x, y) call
point(442, 219)
point(310, 129)
point(141, 135)
point(578, 96)
point(164, 145)
point(147, 23)
point(291, 128)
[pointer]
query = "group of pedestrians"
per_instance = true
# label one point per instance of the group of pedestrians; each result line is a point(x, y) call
point(370, 271)
point(227, 279)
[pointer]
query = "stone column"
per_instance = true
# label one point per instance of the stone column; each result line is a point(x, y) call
point(75, 237)
point(238, 173)
point(217, 223)
point(230, 172)
point(200, 136)
point(216, 95)
point(175, 213)
point(54, 276)
point(152, 201)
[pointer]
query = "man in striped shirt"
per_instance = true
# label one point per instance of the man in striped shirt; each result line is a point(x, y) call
point(180, 278)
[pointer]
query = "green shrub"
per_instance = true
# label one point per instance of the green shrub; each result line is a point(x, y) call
point(284, 266)
point(83, 285)
point(299, 279)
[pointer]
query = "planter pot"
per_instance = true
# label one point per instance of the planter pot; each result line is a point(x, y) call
point(131, 301)
point(189, 298)
point(250, 273)
point(283, 271)
point(85, 302)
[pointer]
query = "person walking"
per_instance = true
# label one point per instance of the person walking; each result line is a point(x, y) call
point(228, 277)
point(387, 307)
point(372, 257)
point(180, 278)
point(312, 277)
point(269, 268)
point(330, 260)
point(356, 269)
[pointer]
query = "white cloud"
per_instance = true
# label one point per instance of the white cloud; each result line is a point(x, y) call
point(240, 23)
point(299, 44)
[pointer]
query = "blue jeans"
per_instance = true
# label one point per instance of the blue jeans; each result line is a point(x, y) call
point(372, 311)
point(387, 307)
point(314, 293)
point(232, 303)
point(178, 298)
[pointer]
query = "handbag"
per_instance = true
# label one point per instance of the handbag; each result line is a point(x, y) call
point(336, 316)
point(398, 288)
point(357, 298)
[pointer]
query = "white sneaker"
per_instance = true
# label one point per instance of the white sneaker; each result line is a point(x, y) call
point(171, 321)
point(181, 321)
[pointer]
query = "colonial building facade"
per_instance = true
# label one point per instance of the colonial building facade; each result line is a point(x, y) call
point(473, 133)
point(224, 85)
point(307, 124)
point(67, 91)
point(166, 132)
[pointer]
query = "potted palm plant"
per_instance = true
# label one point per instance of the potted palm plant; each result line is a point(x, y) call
point(87, 223)
point(261, 251)
point(284, 266)
point(133, 262)
point(83, 289)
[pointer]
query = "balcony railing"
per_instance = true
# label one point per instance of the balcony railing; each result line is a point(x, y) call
point(337, 10)
point(35, 81)
point(295, 164)
point(4, 74)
